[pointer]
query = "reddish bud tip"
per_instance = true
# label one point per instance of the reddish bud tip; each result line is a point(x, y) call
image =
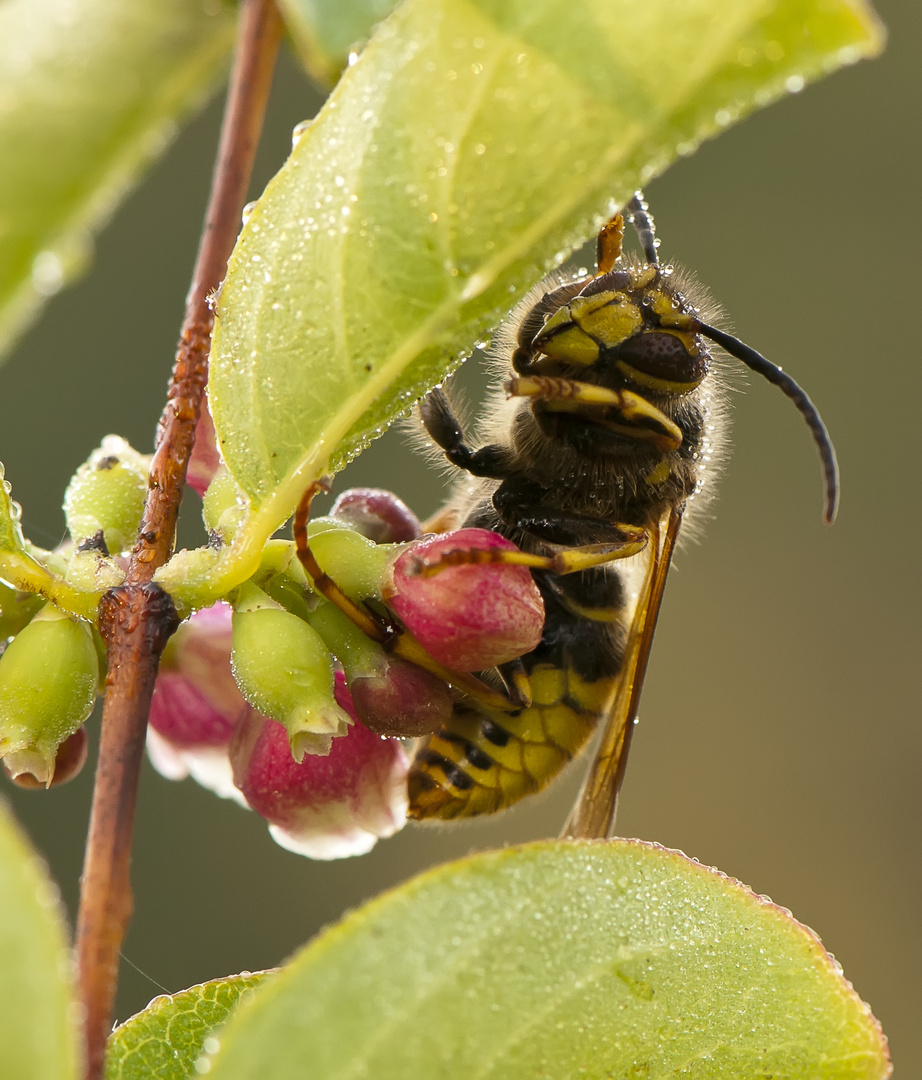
point(377, 514)
point(468, 617)
point(68, 762)
point(403, 701)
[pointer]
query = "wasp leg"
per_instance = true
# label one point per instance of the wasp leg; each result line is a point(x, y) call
point(517, 682)
point(374, 625)
point(379, 627)
point(632, 540)
point(445, 429)
point(643, 421)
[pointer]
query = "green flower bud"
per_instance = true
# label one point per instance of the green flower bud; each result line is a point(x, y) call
point(285, 671)
point(359, 566)
point(357, 653)
point(107, 493)
point(282, 577)
point(48, 681)
point(90, 571)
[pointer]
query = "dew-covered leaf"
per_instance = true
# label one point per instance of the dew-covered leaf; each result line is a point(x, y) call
point(473, 144)
point(11, 538)
point(608, 959)
point(326, 33)
point(90, 94)
point(167, 1038)
point(38, 1037)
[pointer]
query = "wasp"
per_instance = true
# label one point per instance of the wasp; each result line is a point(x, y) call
point(605, 427)
point(609, 426)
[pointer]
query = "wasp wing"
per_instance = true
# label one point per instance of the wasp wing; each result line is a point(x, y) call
point(593, 815)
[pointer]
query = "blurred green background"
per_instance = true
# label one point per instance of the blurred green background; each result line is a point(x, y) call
point(779, 736)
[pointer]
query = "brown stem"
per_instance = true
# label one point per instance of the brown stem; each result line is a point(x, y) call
point(137, 618)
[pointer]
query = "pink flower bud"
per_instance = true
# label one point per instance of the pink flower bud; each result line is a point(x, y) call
point(377, 514)
point(391, 696)
point(468, 617)
point(205, 458)
point(402, 700)
point(323, 807)
point(196, 704)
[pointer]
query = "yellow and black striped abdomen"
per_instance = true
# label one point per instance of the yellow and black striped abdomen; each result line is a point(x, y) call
point(485, 760)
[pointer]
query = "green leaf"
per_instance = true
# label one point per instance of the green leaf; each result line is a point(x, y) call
point(474, 144)
point(611, 959)
point(38, 1039)
point(326, 33)
point(90, 93)
point(167, 1038)
point(11, 538)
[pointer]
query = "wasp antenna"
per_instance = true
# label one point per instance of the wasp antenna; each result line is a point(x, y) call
point(639, 214)
point(757, 362)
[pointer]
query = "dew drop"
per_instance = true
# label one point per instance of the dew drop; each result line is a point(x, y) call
point(298, 130)
point(850, 54)
point(47, 273)
point(794, 84)
point(247, 211)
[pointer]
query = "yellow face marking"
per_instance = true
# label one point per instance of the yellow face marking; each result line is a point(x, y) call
point(651, 382)
point(582, 307)
point(609, 323)
point(645, 277)
point(663, 306)
point(558, 321)
point(571, 345)
point(575, 333)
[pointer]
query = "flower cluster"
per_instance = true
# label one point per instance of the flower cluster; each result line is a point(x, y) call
point(279, 699)
point(285, 705)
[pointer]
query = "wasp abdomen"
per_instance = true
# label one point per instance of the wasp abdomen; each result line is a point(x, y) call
point(485, 760)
